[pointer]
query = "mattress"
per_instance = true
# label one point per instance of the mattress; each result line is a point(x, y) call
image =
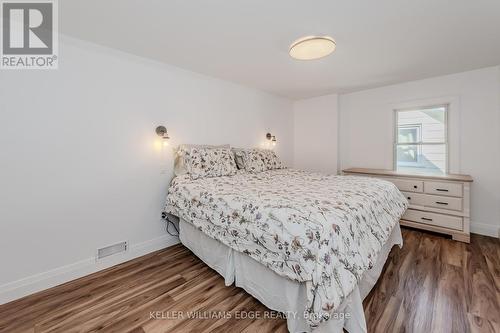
point(323, 230)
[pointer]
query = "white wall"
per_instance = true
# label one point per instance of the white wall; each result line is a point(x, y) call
point(366, 130)
point(316, 134)
point(80, 163)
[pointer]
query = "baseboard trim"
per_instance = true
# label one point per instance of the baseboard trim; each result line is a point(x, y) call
point(38, 282)
point(485, 229)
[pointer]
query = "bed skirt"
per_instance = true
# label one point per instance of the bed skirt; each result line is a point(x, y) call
point(279, 293)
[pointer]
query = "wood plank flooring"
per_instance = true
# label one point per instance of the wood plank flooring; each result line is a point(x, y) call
point(432, 284)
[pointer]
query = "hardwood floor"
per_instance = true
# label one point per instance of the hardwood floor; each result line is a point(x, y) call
point(432, 284)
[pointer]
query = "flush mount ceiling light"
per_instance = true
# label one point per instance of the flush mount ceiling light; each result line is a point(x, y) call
point(312, 47)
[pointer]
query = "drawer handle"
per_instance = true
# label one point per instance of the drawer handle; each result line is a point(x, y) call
point(441, 190)
point(415, 186)
point(441, 203)
point(426, 219)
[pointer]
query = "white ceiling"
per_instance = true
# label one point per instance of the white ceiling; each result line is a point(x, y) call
point(379, 42)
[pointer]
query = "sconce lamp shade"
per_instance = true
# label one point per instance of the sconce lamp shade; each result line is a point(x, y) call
point(271, 138)
point(162, 132)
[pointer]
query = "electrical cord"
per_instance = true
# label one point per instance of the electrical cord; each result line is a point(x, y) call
point(168, 222)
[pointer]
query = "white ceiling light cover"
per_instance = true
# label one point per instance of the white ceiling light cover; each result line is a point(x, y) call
point(312, 47)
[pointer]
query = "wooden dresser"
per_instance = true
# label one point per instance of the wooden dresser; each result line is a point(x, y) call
point(437, 203)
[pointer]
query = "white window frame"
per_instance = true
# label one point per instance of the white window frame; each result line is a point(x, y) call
point(421, 143)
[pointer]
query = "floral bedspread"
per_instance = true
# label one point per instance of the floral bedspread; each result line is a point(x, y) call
point(319, 229)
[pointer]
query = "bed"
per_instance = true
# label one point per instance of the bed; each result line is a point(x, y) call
point(306, 244)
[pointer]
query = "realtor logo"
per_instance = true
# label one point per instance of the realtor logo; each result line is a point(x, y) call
point(29, 34)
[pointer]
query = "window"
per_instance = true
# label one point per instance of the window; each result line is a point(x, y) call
point(421, 140)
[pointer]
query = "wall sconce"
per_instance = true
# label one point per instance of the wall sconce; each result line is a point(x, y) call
point(162, 132)
point(271, 138)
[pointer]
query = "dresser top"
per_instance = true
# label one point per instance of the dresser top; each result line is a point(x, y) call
point(382, 172)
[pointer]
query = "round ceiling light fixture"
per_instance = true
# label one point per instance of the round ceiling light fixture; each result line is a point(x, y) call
point(312, 47)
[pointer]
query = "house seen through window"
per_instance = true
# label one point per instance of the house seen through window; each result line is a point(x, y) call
point(421, 140)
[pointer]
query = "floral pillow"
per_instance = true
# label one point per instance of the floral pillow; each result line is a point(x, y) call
point(254, 160)
point(271, 160)
point(182, 155)
point(210, 162)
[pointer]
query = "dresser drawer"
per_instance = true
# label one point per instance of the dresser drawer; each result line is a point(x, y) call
point(441, 220)
point(441, 188)
point(443, 202)
point(408, 185)
point(415, 198)
point(435, 201)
